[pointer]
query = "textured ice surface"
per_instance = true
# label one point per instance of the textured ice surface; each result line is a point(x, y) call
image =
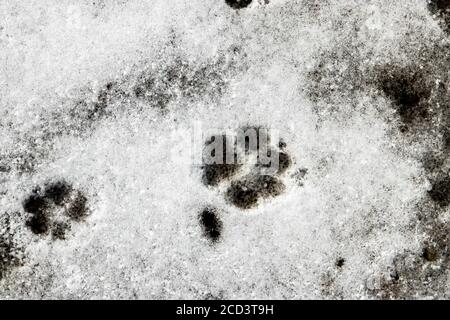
point(99, 196)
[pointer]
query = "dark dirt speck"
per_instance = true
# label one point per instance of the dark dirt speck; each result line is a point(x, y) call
point(238, 4)
point(429, 254)
point(211, 223)
point(340, 262)
point(440, 191)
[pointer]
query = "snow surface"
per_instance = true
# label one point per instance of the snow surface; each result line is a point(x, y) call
point(142, 238)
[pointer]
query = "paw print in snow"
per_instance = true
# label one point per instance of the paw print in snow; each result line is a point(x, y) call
point(248, 162)
point(54, 207)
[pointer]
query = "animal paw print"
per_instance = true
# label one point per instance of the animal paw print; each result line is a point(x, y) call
point(253, 166)
point(54, 207)
point(250, 167)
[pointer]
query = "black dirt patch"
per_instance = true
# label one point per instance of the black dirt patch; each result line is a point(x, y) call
point(440, 191)
point(211, 224)
point(441, 8)
point(238, 4)
point(429, 254)
point(340, 262)
point(408, 89)
point(441, 5)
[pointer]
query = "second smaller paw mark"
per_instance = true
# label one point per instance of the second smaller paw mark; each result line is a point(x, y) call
point(53, 207)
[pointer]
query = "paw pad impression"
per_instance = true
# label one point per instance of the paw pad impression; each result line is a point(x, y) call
point(54, 207)
point(250, 164)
